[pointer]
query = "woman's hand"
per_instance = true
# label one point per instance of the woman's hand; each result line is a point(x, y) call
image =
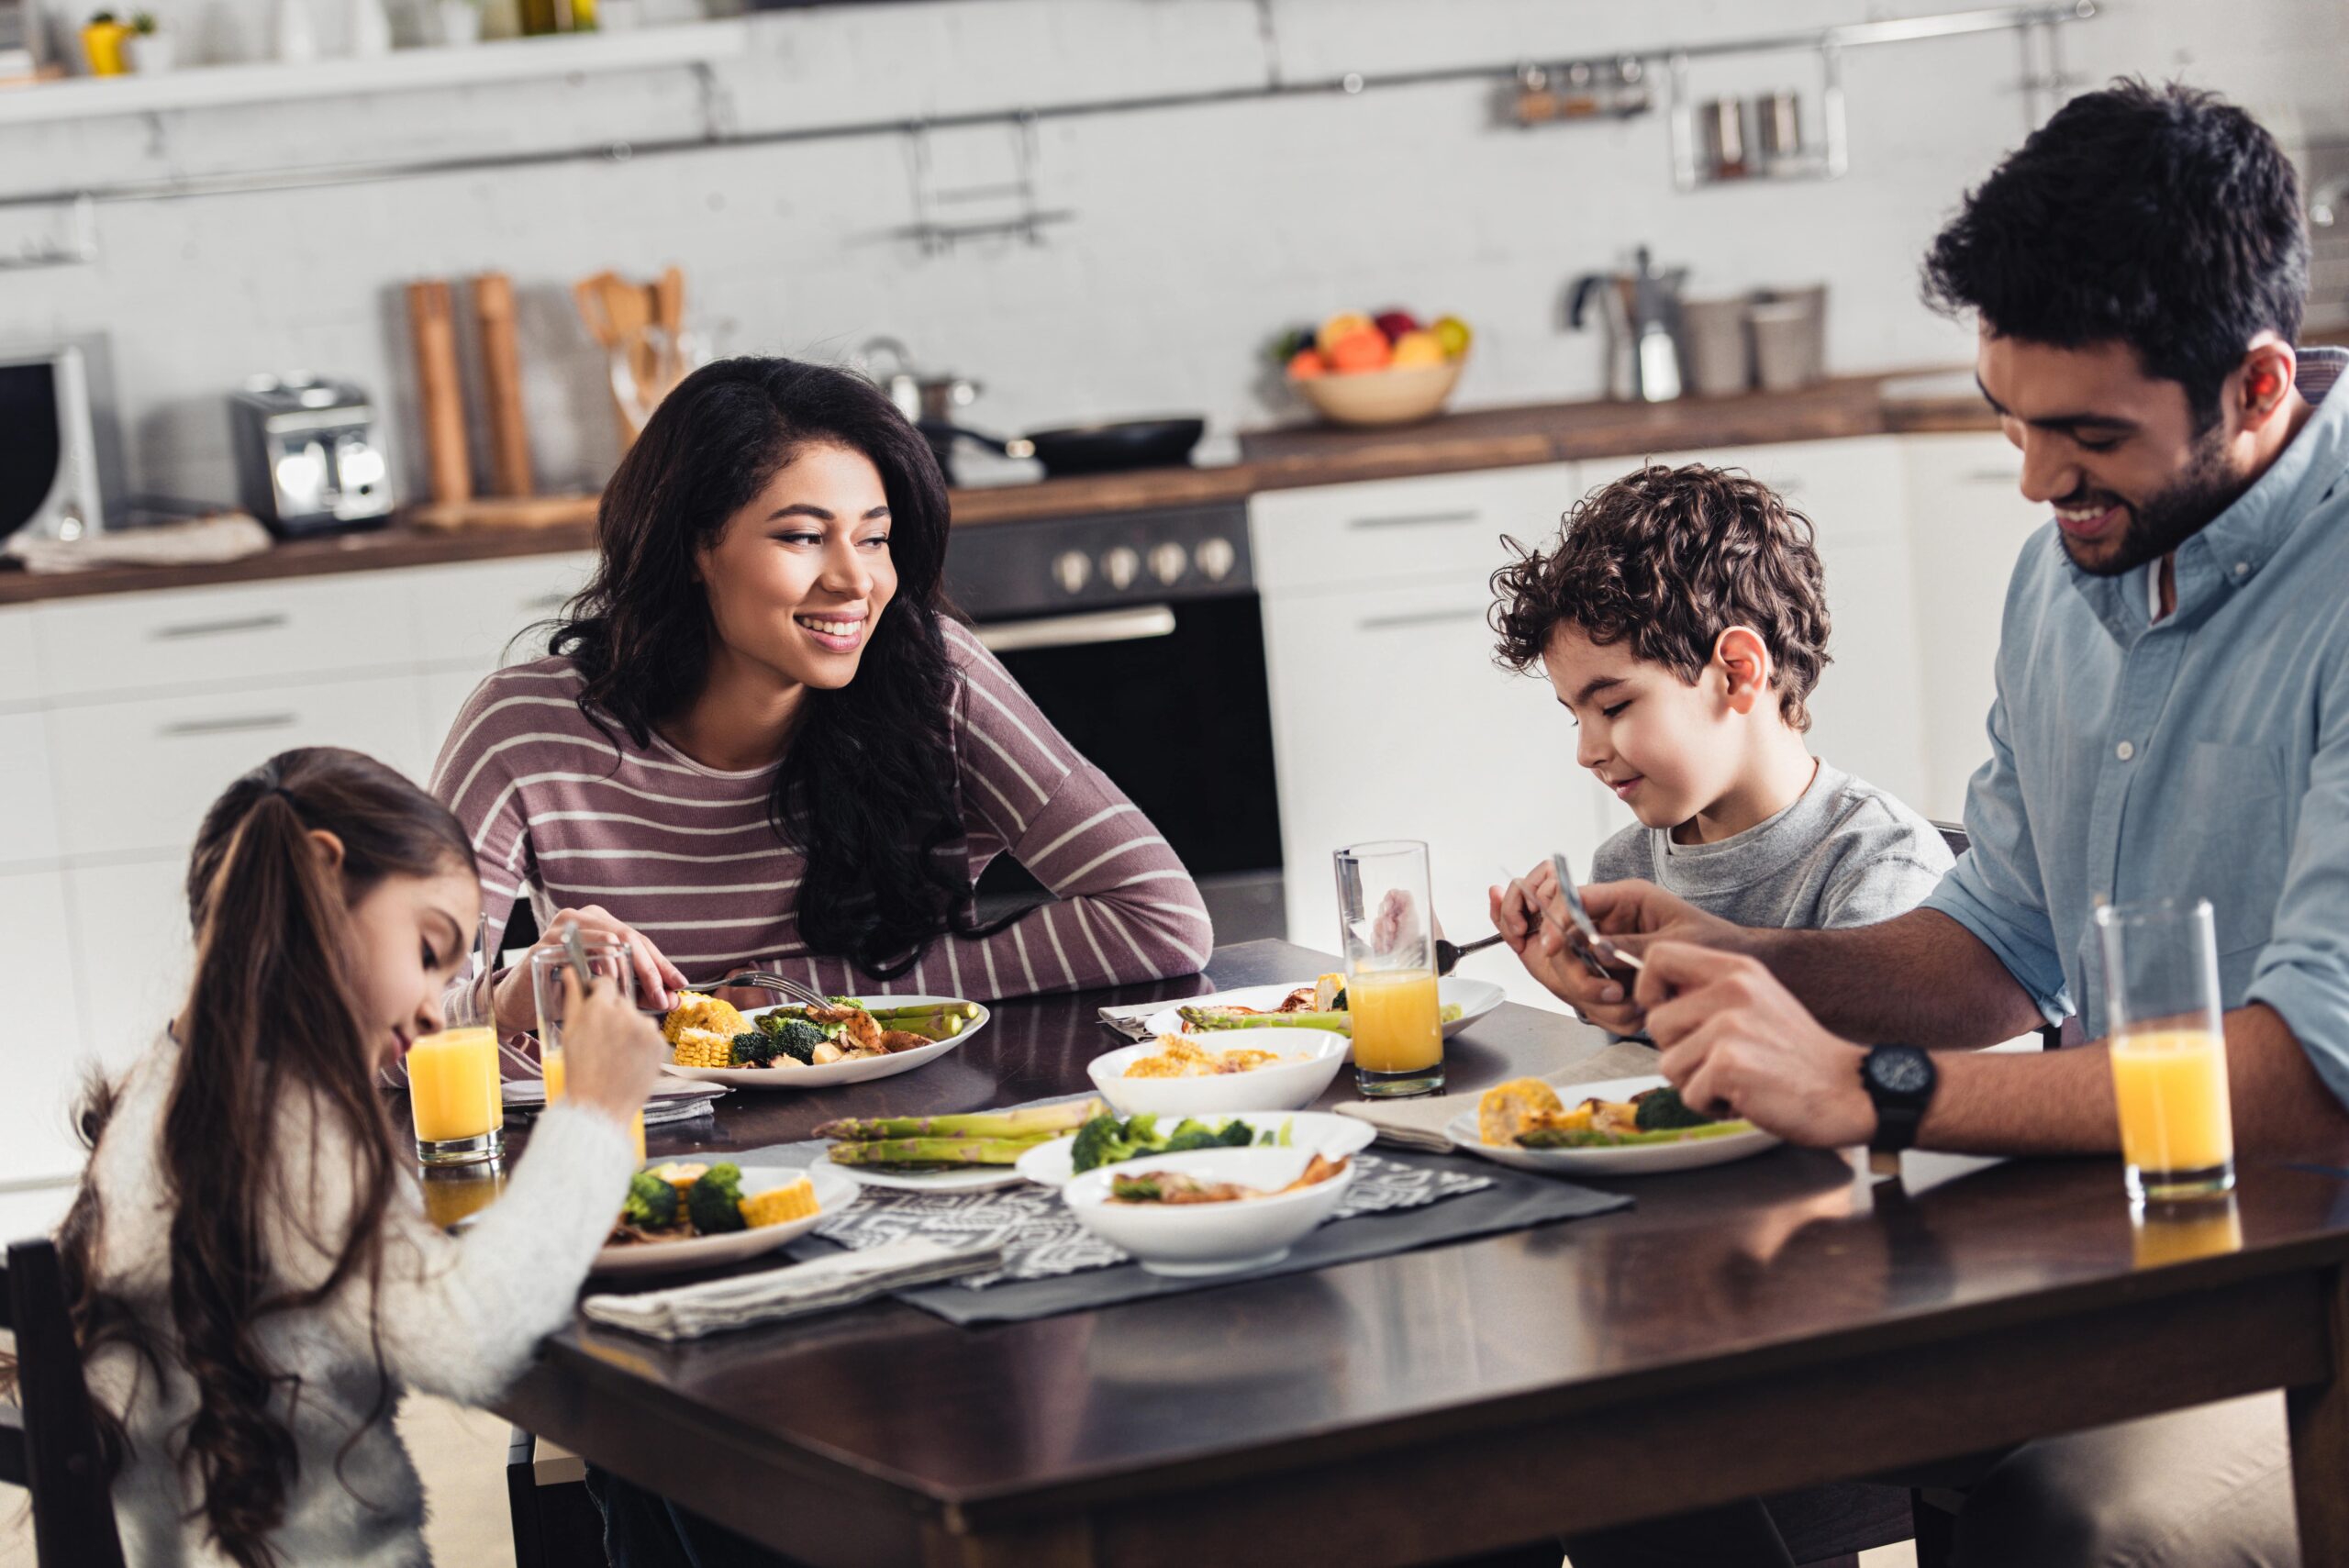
point(611, 1052)
point(657, 980)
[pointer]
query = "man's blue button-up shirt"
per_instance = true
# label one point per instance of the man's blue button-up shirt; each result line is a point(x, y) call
point(2205, 756)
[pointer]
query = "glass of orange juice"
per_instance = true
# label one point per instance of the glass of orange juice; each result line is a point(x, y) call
point(608, 957)
point(2169, 1049)
point(1388, 932)
point(456, 1095)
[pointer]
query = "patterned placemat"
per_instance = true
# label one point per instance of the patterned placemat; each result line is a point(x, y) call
point(1041, 1238)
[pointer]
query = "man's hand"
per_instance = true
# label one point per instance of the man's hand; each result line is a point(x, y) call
point(1735, 1041)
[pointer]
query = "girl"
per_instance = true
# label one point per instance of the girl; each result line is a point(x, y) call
point(763, 740)
point(255, 1280)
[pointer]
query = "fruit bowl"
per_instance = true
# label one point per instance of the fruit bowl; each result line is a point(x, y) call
point(1382, 397)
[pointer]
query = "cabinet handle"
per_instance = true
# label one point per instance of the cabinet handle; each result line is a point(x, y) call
point(218, 628)
point(1422, 617)
point(1992, 476)
point(240, 724)
point(545, 601)
point(1416, 520)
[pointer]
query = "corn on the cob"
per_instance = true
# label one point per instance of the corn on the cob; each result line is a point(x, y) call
point(702, 1048)
point(794, 1201)
point(696, 1011)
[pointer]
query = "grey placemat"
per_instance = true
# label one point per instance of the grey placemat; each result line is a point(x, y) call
point(1510, 1200)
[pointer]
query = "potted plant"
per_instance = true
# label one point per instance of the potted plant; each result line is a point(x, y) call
point(102, 37)
point(148, 49)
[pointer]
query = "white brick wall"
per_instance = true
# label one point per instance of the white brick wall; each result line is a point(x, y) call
point(1198, 233)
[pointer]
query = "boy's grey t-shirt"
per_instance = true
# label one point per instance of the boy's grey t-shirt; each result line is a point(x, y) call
point(1845, 854)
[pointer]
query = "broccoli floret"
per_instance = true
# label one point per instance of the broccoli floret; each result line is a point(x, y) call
point(714, 1202)
point(755, 1049)
point(652, 1203)
point(798, 1040)
point(1190, 1133)
point(1661, 1110)
point(1101, 1142)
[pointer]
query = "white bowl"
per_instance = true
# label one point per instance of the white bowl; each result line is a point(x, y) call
point(1475, 999)
point(1209, 1238)
point(1623, 1160)
point(1310, 1058)
point(1316, 1132)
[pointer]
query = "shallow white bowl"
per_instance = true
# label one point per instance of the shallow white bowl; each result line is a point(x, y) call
point(1475, 999)
point(832, 1074)
point(1209, 1238)
point(1316, 1132)
point(1629, 1159)
point(1311, 1058)
point(834, 1192)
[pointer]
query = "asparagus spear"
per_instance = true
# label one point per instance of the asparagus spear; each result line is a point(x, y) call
point(936, 1151)
point(1548, 1138)
point(1038, 1121)
point(1216, 1018)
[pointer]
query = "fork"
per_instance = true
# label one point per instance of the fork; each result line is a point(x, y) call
point(766, 980)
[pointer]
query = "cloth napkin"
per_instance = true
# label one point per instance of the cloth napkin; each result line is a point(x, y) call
point(225, 536)
point(1419, 1124)
point(840, 1279)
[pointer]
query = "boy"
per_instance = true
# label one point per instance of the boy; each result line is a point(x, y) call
point(1681, 619)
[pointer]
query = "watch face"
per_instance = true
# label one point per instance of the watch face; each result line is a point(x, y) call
point(1901, 1072)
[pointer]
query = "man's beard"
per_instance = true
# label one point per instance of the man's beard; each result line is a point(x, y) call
point(2207, 488)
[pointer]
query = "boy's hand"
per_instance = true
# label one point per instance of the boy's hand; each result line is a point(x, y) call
point(1531, 914)
point(1735, 1039)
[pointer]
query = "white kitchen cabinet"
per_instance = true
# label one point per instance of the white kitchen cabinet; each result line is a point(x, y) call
point(184, 638)
point(133, 951)
point(28, 807)
point(1849, 489)
point(19, 674)
point(1332, 536)
point(1969, 522)
point(468, 616)
point(137, 776)
point(41, 1049)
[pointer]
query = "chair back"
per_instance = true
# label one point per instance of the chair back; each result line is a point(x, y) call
point(1954, 835)
point(49, 1439)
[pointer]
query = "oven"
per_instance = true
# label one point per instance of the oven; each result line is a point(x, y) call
point(1140, 637)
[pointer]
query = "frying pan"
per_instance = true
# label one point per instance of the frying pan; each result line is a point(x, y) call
point(1085, 448)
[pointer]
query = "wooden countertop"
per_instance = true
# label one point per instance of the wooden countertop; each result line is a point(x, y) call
point(1276, 459)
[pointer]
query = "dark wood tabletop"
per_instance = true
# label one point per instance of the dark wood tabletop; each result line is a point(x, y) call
point(1412, 1408)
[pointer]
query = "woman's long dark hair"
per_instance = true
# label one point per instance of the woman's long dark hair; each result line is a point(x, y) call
point(867, 787)
point(272, 1011)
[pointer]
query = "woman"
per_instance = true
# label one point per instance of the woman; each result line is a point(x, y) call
point(762, 741)
point(254, 1279)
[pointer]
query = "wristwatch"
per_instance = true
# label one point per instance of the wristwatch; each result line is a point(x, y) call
point(1900, 1080)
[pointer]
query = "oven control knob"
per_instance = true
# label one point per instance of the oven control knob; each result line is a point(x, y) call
point(1071, 569)
point(1215, 558)
point(1168, 561)
point(1120, 567)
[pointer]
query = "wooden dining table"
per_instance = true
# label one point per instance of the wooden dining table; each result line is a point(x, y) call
point(1741, 1331)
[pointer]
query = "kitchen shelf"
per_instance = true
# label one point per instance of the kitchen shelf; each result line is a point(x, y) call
point(406, 69)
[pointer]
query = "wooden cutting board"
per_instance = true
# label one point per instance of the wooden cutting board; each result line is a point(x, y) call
point(505, 512)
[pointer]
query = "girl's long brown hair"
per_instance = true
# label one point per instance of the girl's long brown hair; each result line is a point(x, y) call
point(272, 1011)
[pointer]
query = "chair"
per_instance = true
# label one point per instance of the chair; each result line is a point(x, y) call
point(555, 1522)
point(48, 1442)
point(2052, 1037)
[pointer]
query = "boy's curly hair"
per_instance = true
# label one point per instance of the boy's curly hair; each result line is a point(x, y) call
point(1667, 559)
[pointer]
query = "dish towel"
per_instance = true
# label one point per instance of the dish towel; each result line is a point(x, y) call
point(225, 536)
point(1419, 1124)
point(840, 1279)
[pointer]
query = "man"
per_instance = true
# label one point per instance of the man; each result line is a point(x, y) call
point(2172, 721)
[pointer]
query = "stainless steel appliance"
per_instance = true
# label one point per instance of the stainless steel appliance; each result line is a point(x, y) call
point(307, 460)
point(1140, 637)
point(1640, 311)
point(60, 448)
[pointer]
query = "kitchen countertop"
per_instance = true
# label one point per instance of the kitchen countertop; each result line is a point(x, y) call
point(1276, 459)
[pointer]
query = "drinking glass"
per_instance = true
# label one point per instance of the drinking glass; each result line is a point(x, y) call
point(454, 1192)
point(456, 1097)
point(606, 957)
point(1386, 932)
point(2168, 1050)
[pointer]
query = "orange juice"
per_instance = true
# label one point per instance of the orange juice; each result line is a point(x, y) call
point(552, 1068)
point(2172, 1085)
point(453, 1085)
point(1397, 1021)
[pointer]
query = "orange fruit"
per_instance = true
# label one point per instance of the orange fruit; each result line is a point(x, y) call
point(1307, 364)
point(1365, 349)
point(1342, 324)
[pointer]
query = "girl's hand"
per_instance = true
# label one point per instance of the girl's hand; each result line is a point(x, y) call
point(657, 980)
point(611, 1052)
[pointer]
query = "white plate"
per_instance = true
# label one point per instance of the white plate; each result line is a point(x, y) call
point(1312, 1058)
point(1210, 1238)
point(859, 1070)
point(1316, 1132)
point(1475, 999)
point(960, 1179)
point(1628, 1160)
point(834, 1192)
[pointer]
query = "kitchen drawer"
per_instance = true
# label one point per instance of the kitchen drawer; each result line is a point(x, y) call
point(1849, 489)
point(213, 637)
point(41, 1051)
point(19, 676)
point(139, 774)
point(1336, 535)
point(468, 614)
point(28, 807)
point(134, 950)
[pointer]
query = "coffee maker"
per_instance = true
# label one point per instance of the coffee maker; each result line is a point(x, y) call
point(307, 460)
point(1641, 312)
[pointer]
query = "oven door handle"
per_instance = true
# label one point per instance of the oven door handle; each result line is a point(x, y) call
point(1082, 630)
